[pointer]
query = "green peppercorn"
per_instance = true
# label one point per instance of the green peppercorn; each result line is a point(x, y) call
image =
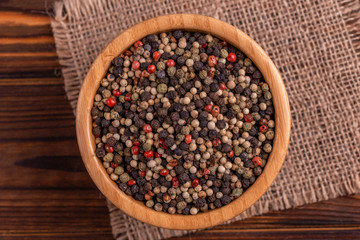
point(246, 126)
point(162, 88)
point(146, 147)
point(179, 73)
point(187, 54)
point(270, 135)
point(135, 96)
point(267, 95)
point(203, 74)
point(237, 150)
point(237, 192)
point(180, 137)
point(256, 116)
point(265, 87)
point(194, 51)
point(258, 91)
point(115, 115)
point(182, 80)
point(171, 71)
point(119, 170)
point(195, 57)
point(267, 148)
point(179, 51)
point(247, 62)
point(150, 203)
point(208, 80)
point(160, 66)
point(185, 130)
point(224, 53)
point(108, 157)
point(122, 98)
point(152, 77)
point(236, 108)
point(247, 173)
point(124, 178)
point(249, 150)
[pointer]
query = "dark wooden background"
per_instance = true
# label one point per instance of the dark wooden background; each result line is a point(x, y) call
point(44, 188)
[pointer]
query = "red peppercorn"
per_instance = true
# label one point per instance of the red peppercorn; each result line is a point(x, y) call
point(216, 142)
point(248, 117)
point(263, 121)
point(147, 128)
point(110, 102)
point(128, 97)
point(141, 173)
point(173, 162)
point(230, 154)
point(206, 171)
point(134, 150)
point(143, 74)
point(149, 154)
point(215, 111)
point(147, 197)
point(151, 68)
point(116, 93)
point(114, 165)
point(151, 194)
point(108, 148)
point(162, 144)
point(222, 86)
point(138, 44)
point(164, 172)
point(231, 57)
point(208, 108)
point(195, 182)
point(170, 63)
point(156, 55)
point(263, 128)
point(136, 143)
point(204, 45)
point(211, 73)
point(175, 181)
point(224, 44)
point(212, 61)
point(257, 161)
point(128, 53)
point(135, 65)
point(157, 155)
point(131, 182)
point(188, 139)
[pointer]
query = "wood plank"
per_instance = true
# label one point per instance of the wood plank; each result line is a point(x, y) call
point(19, 18)
point(45, 191)
point(33, 6)
point(28, 40)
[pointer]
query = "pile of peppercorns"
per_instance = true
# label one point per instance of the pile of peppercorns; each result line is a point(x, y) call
point(183, 121)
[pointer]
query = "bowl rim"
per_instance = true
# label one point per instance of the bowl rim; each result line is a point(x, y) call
point(86, 140)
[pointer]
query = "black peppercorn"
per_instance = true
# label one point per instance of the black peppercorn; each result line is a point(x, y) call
point(221, 124)
point(100, 152)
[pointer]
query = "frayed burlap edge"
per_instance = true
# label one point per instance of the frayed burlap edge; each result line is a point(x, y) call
point(125, 226)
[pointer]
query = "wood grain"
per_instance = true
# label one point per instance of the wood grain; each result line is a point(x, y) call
point(86, 139)
point(46, 193)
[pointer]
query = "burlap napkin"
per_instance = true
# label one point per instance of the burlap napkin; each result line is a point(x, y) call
point(315, 51)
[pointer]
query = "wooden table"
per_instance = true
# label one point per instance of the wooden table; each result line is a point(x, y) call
point(44, 188)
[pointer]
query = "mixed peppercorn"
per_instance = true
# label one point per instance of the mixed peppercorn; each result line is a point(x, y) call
point(183, 121)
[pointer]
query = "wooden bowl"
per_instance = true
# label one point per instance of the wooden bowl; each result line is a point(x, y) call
point(86, 139)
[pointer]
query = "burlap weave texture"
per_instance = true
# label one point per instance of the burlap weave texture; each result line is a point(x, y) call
point(316, 53)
